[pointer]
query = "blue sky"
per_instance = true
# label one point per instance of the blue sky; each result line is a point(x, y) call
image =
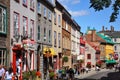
point(87, 17)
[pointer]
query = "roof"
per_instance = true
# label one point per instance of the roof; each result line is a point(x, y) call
point(112, 34)
point(106, 38)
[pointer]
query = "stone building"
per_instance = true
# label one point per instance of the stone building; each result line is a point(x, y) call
point(5, 32)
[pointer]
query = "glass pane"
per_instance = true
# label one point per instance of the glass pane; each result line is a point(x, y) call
point(0, 19)
point(38, 32)
point(0, 57)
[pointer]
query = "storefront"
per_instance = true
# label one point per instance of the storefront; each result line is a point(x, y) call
point(23, 56)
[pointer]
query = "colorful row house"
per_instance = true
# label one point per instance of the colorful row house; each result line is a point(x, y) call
point(4, 32)
point(37, 35)
point(108, 49)
point(82, 51)
point(75, 44)
point(114, 35)
point(22, 35)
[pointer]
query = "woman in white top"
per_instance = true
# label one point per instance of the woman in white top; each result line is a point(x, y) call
point(9, 74)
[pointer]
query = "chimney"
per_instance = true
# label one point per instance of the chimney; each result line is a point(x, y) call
point(112, 28)
point(93, 35)
point(103, 28)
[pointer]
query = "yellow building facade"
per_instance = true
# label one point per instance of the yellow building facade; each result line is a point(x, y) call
point(109, 51)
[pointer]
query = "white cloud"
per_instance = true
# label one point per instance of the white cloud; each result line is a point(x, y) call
point(66, 2)
point(79, 13)
point(76, 1)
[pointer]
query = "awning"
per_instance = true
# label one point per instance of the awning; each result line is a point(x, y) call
point(52, 51)
point(28, 41)
point(110, 61)
point(49, 50)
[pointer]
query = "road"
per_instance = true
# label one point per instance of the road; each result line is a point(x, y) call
point(107, 75)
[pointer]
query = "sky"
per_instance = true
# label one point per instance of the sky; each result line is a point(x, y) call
point(87, 17)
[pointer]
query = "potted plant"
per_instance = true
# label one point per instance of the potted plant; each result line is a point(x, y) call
point(65, 59)
point(26, 75)
point(33, 74)
point(51, 75)
point(29, 74)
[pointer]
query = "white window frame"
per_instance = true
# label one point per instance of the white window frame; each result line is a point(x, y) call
point(59, 41)
point(39, 8)
point(45, 11)
point(66, 26)
point(25, 26)
point(49, 36)
point(55, 39)
point(45, 34)
point(24, 3)
point(32, 4)
point(49, 15)
point(32, 28)
point(39, 32)
point(16, 23)
point(59, 19)
point(3, 57)
point(3, 20)
point(55, 18)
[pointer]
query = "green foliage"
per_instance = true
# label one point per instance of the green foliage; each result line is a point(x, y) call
point(102, 4)
point(51, 74)
point(65, 59)
point(27, 74)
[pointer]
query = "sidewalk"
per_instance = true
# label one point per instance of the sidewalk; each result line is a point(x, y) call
point(92, 72)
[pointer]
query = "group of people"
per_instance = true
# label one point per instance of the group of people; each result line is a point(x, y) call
point(6, 74)
point(65, 73)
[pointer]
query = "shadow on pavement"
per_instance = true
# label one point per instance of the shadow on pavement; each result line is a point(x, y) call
point(110, 76)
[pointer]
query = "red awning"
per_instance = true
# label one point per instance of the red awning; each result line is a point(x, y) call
point(28, 41)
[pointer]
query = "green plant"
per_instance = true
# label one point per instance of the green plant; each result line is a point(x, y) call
point(81, 61)
point(51, 74)
point(33, 73)
point(26, 75)
point(65, 59)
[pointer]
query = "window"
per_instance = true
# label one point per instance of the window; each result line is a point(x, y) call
point(49, 36)
point(66, 26)
point(45, 12)
point(2, 20)
point(55, 40)
point(39, 8)
point(59, 37)
point(88, 56)
point(25, 3)
point(115, 48)
point(49, 15)
point(59, 20)
point(115, 39)
point(16, 23)
point(44, 34)
point(3, 57)
point(55, 17)
point(25, 26)
point(32, 4)
point(17, 0)
point(32, 29)
point(38, 32)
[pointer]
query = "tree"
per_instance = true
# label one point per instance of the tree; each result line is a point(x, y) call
point(102, 4)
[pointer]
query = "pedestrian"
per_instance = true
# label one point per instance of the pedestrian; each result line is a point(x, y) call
point(71, 74)
point(9, 74)
point(2, 72)
point(86, 69)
